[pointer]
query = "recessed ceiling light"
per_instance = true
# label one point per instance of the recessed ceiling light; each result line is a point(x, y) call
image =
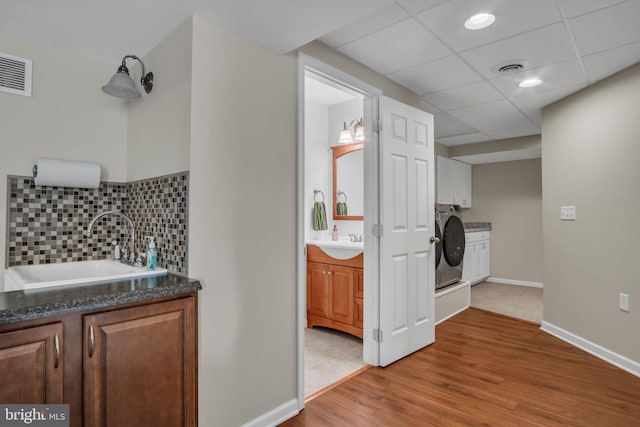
point(530, 82)
point(480, 21)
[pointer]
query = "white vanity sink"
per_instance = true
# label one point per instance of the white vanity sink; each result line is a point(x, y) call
point(339, 249)
point(72, 273)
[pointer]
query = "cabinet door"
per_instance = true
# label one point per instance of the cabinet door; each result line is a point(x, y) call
point(358, 313)
point(341, 294)
point(318, 289)
point(358, 281)
point(468, 262)
point(484, 259)
point(444, 180)
point(140, 366)
point(31, 365)
point(462, 184)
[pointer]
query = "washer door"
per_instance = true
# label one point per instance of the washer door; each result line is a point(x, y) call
point(438, 245)
point(453, 246)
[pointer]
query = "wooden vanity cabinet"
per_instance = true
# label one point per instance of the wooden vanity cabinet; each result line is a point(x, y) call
point(334, 291)
point(128, 365)
point(31, 365)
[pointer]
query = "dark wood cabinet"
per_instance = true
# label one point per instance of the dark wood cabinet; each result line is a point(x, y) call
point(129, 365)
point(334, 292)
point(139, 366)
point(31, 365)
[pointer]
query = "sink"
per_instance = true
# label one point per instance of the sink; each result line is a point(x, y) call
point(339, 249)
point(27, 277)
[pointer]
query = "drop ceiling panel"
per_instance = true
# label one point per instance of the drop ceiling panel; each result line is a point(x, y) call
point(487, 111)
point(445, 125)
point(360, 28)
point(514, 132)
point(539, 100)
point(512, 17)
point(604, 64)
point(417, 6)
point(424, 105)
point(464, 96)
point(533, 48)
point(435, 76)
point(563, 74)
point(469, 138)
point(494, 123)
point(579, 7)
point(501, 156)
point(400, 46)
point(607, 28)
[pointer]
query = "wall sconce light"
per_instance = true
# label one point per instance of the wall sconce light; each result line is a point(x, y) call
point(345, 135)
point(121, 84)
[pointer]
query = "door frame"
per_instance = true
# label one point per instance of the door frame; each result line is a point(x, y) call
point(371, 213)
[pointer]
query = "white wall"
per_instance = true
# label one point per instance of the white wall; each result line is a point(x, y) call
point(590, 152)
point(242, 224)
point(159, 128)
point(317, 165)
point(67, 116)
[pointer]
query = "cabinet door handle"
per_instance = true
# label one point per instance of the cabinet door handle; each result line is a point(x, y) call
point(56, 342)
point(91, 341)
point(329, 273)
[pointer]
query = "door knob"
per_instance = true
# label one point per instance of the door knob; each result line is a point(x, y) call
point(433, 240)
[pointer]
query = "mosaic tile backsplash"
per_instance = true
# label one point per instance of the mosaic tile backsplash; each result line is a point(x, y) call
point(47, 224)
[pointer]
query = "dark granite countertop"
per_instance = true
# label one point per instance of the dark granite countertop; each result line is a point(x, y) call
point(16, 306)
point(472, 227)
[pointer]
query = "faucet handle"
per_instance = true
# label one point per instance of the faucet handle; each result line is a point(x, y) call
point(138, 262)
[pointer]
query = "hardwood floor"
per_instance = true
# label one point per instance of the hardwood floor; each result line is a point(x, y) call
point(484, 369)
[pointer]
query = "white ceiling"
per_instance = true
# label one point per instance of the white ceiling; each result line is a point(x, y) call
point(423, 45)
point(420, 44)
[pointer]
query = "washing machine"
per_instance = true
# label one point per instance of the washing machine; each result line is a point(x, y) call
point(450, 250)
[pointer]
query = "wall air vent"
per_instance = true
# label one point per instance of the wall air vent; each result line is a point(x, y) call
point(15, 75)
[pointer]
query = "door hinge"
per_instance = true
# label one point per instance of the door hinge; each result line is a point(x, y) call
point(377, 335)
point(377, 230)
point(377, 125)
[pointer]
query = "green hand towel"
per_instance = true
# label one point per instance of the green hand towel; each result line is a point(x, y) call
point(341, 208)
point(319, 216)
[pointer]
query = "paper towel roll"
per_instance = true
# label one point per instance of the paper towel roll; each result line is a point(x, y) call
point(66, 173)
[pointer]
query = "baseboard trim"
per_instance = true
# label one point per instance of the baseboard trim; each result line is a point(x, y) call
point(594, 349)
point(515, 282)
point(452, 314)
point(275, 416)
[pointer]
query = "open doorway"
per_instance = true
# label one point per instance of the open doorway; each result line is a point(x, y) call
point(333, 230)
point(392, 279)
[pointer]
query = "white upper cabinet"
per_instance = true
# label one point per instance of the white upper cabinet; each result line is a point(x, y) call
point(453, 182)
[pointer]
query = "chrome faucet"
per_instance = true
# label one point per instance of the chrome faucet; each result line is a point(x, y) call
point(132, 257)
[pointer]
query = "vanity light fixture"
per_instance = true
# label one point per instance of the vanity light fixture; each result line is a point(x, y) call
point(530, 82)
point(480, 21)
point(345, 135)
point(121, 84)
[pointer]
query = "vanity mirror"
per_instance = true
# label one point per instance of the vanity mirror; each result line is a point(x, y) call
point(348, 182)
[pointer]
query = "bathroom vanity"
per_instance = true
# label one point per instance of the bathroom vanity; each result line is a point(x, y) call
point(120, 353)
point(335, 289)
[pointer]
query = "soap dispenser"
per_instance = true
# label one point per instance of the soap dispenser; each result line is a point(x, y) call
point(334, 234)
point(152, 255)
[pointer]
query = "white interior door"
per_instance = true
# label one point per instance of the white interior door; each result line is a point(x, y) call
point(407, 266)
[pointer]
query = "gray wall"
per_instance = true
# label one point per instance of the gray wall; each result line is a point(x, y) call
point(509, 195)
point(590, 148)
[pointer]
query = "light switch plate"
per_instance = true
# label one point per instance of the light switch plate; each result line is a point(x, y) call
point(623, 302)
point(568, 213)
